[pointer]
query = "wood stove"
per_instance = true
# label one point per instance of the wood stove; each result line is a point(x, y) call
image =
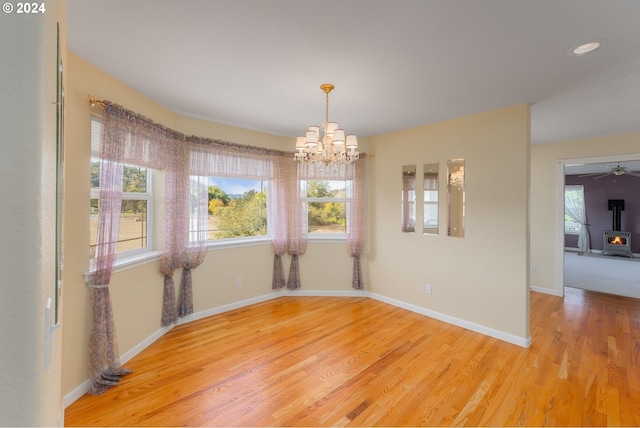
point(616, 241)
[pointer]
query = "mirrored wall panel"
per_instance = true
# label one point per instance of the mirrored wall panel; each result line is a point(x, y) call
point(455, 194)
point(408, 198)
point(430, 188)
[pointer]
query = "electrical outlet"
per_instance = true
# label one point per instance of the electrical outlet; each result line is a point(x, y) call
point(427, 288)
point(238, 282)
point(534, 270)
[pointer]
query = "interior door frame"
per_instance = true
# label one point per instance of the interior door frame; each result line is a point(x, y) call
point(560, 171)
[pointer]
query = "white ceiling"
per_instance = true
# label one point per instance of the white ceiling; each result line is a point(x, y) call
point(396, 64)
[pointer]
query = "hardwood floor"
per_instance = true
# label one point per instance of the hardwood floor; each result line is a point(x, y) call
point(316, 361)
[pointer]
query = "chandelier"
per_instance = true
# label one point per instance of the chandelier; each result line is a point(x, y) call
point(334, 149)
point(456, 178)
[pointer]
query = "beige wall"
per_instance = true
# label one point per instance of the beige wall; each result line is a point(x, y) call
point(137, 292)
point(547, 199)
point(481, 278)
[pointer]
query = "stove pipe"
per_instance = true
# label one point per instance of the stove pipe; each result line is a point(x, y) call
point(617, 206)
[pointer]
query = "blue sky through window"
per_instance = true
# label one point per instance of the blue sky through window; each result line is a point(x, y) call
point(235, 186)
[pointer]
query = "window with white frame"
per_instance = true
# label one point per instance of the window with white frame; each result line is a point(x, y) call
point(136, 220)
point(326, 205)
point(237, 208)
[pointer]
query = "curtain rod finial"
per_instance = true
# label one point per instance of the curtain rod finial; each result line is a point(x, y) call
point(93, 100)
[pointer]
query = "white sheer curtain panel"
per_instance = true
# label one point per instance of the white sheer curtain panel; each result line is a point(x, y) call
point(281, 208)
point(574, 206)
point(105, 369)
point(129, 138)
point(176, 229)
point(297, 231)
point(356, 218)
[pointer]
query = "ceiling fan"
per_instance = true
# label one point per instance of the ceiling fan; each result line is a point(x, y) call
point(615, 171)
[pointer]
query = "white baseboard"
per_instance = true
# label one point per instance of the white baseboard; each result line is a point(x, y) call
point(76, 393)
point(270, 296)
point(124, 358)
point(328, 293)
point(478, 328)
point(546, 291)
point(229, 307)
point(83, 388)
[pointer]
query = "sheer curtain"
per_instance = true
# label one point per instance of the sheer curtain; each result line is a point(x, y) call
point(187, 163)
point(104, 359)
point(287, 221)
point(574, 206)
point(297, 231)
point(127, 137)
point(356, 219)
point(224, 159)
point(176, 227)
point(196, 248)
point(281, 208)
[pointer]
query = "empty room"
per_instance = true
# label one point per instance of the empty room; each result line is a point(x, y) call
point(226, 226)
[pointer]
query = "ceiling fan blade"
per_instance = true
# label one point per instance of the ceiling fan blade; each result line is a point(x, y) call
point(633, 173)
point(601, 175)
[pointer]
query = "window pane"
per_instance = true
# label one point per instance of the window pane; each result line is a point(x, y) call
point(136, 199)
point(95, 173)
point(326, 205)
point(571, 225)
point(327, 217)
point(430, 215)
point(326, 189)
point(237, 208)
point(132, 234)
point(134, 178)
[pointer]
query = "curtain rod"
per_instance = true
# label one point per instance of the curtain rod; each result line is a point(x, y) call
point(93, 100)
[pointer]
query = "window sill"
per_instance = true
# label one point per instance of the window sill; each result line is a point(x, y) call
point(327, 238)
point(244, 242)
point(125, 263)
point(237, 242)
point(141, 259)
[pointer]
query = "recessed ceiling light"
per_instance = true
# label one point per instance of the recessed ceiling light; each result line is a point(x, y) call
point(586, 48)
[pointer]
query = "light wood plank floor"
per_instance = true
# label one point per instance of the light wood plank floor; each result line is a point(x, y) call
point(315, 361)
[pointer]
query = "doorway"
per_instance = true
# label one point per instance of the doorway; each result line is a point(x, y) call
point(592, 268)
